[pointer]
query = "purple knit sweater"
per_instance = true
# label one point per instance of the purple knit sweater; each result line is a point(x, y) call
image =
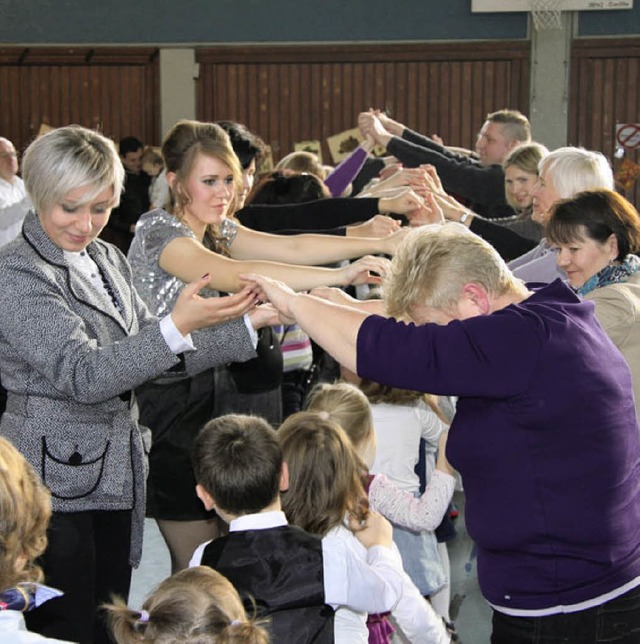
point(545, 438)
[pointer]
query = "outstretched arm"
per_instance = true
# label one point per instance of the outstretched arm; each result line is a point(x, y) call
point(310, 249)
point(188, 259)
point(335, 328)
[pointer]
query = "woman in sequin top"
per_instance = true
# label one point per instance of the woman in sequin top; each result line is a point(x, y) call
point(194, 236)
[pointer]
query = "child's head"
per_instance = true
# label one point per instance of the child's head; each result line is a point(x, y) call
point(301, 161)
point(152, 161)
point(194, 606)
point(238, 464)
point(25, 508)
point(325, 473)
point(348, 406)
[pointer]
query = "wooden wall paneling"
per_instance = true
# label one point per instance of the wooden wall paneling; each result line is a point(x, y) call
point(605, 76)
point(347, 96)
point(467, 129)
point(115, 89)
point(301, 78)
point(289, 101)
point(309, 92)
point(457, 91)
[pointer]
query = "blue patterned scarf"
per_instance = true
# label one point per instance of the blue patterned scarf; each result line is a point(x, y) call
point(24, 597)
point(611, 274)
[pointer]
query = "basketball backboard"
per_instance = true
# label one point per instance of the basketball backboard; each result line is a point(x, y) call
point(481, 6)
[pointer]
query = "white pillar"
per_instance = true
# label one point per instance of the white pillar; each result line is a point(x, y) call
point(178, 74)
point(550, 68)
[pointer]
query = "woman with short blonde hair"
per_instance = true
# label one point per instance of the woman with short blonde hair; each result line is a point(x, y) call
point(76, 342)
point(545, 434)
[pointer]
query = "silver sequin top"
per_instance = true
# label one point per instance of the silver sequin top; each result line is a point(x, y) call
point(155, 229)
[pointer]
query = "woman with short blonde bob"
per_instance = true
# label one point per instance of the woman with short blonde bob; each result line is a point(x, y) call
point(75, 341)
point(539, 385)
point(195, 606)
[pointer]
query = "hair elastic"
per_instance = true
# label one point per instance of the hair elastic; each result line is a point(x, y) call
point(235, 622)
point(144, 616)
point(324, 415)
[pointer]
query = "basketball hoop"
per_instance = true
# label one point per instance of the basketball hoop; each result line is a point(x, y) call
point(546, 14)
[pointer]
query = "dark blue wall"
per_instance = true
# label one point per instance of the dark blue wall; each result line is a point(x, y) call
point(257, 21)
point(246, 21)
point(611, 23)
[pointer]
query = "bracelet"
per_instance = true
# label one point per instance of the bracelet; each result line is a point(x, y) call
point(465, 215)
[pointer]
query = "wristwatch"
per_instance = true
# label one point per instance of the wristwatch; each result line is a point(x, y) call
point(465, 215)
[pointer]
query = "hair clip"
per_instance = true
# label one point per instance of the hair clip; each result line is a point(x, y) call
point(144, 616)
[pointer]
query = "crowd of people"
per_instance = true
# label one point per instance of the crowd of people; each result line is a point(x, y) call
point(165, 318)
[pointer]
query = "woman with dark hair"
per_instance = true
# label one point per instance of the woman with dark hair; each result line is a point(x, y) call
point(307, 216)
point(287, 188)
point(597, 236)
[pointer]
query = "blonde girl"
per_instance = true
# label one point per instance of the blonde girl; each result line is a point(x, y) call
point(325, 494)
point(346, 405)
point(194, 606)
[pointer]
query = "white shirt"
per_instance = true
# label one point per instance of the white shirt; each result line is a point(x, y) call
point(399, 429)
point(14, 206)
point(83, 263)
point(364, 580)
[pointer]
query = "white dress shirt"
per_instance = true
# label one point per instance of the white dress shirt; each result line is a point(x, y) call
point(358, 581)
point(14, 206)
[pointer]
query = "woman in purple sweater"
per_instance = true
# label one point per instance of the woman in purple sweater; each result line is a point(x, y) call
point(545, 434)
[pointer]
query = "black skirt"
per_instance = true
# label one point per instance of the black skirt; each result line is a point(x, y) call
point(175, 413)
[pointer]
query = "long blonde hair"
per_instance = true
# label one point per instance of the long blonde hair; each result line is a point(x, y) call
point(325, 474)
point(180, 148)
point(195, 606)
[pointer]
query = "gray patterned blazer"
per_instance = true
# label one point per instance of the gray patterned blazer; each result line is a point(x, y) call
point(69, 360)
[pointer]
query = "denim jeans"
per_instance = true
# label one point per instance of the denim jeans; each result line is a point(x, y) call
point(616, 621)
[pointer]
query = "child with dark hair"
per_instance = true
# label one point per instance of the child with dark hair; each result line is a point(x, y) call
point(295, 578)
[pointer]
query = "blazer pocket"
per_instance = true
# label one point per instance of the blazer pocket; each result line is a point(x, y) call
point(73, 471)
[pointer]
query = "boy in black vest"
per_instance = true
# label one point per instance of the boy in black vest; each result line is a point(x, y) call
point(295, 578)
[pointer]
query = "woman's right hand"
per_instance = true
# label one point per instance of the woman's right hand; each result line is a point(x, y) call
point(192, 311)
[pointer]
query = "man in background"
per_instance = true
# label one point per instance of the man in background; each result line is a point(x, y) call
point(14, 202)
point(478, 181)
point(135, 198)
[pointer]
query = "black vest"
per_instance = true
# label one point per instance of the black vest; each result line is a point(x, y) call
point(281, 570)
